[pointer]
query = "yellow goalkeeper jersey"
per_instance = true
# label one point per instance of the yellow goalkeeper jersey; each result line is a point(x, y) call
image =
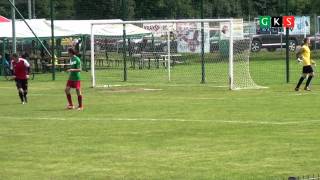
point(305, 53)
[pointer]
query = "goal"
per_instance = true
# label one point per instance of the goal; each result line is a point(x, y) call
point(209, 51)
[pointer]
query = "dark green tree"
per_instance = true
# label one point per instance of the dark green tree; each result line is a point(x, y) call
point(95, 9)
point(64, 9)
point(43, 9)
point(5, 8)
point(260, 7)
point(163, 9)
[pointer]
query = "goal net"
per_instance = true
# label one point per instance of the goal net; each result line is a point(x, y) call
point(211, 51)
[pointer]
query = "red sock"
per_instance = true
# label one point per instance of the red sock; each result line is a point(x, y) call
point(80, 100)
point(69, 99)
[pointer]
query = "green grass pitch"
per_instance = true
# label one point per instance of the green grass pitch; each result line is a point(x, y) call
point(161, 130)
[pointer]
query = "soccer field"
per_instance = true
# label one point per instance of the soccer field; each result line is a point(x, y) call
point(160, 131)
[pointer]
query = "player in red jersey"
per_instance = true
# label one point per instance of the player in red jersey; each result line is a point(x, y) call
point(20, 70)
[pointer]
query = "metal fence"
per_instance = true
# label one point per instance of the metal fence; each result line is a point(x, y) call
point(267, 66)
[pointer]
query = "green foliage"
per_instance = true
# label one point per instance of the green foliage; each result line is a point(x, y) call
point(164, 9)
point(3, 11)
point(43, 9)
point(95, 9)
point(65, 9)
point(4, 8)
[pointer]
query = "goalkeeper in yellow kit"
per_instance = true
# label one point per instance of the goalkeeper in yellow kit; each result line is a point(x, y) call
point(304, 57)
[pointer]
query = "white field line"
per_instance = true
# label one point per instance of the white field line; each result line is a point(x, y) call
point(152, 89)
point(118, 85)
point(164, 120)
point(13, 87)
point(195, 85)
point(184, 98)
point(303, 94)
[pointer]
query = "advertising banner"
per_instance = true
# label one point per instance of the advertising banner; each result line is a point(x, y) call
point(160, 29)
point(237, 29)
point(189, 37)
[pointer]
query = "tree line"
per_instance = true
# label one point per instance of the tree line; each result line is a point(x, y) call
point(162, 9)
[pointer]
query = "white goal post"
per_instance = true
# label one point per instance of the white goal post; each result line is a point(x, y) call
point(245, 82)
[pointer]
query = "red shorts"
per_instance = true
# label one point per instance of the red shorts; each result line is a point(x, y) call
point(74, 84)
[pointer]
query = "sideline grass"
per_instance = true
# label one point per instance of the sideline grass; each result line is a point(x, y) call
point(178, 132)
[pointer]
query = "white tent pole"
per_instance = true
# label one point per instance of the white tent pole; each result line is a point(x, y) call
point(168, 64)
point(93, 78)
point(29, 9)
point(305, 26)
point(33, 9)
point(231, 78)
point(13, 17)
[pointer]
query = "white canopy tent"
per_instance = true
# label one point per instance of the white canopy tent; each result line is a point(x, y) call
point(39, 26)
point(3, 19)
point(66, 28)
point(83, 27)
